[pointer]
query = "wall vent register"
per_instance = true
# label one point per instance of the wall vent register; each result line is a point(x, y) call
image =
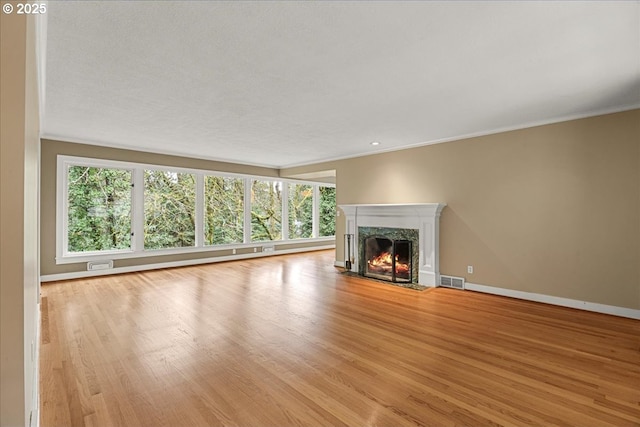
point(451, 282)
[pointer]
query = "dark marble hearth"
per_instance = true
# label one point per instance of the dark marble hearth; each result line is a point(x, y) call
point(413, 286)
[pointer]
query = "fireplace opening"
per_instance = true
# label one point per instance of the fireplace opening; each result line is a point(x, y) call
point(388, 259)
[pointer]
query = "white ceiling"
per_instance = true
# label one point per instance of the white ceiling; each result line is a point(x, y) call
point(284, 83)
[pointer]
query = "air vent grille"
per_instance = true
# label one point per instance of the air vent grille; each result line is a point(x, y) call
point(452, 282)
point(99, 265)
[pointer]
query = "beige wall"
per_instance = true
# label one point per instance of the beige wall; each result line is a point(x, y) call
point(19, 284)
point(50, 151)
point(551, 210)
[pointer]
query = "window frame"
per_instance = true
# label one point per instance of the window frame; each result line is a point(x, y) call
point(137, 250)
point(62, 208)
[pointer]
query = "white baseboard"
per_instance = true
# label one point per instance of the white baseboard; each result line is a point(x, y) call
point(184, 263)
point(528, 296)
point(564, 302)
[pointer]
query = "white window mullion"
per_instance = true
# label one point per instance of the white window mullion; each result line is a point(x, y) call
point(199, 210)
point(247, 210)
point(285, 211)
point(63, 213)
point(137, 207)
point(316, 212)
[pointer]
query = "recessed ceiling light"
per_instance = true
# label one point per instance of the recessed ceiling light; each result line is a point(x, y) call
point(375, 143)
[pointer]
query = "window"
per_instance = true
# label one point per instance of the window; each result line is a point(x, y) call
point(224, 210)
point(327, 211)
point(169, 209)
point(110, 209)
point(300, 211)
point(266, 210)
point(98, 209)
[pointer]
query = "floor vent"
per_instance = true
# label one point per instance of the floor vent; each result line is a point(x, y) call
point(452, 282)
point(99, 265)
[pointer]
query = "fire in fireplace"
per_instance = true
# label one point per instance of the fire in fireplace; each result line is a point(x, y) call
point(388, 259)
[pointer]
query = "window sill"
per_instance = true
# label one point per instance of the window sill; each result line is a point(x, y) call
point(82, 258)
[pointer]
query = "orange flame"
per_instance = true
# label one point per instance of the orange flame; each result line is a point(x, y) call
point(383, 264)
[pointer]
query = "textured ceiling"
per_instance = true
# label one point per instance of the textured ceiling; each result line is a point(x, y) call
point(288, 83)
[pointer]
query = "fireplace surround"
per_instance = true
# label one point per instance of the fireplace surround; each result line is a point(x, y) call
point(418, 222)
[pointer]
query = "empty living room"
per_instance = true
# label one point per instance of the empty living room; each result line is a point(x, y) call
point(320, 213)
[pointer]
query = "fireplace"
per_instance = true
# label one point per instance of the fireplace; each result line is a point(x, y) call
point(388, 259)
point(388, 253)
point(417, 223)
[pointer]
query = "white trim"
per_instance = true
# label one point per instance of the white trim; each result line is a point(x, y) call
point(137, 215)
point(199, 216)
point(553, 300)
point(62, 238)
point(131, 147)
point(177, 153)
point(567, 118)
point(135, 268)
point(315, 221)
point(137, 249)
point(101, 256)
point(547, 299)
point(61, 206)
point(121, 164)
point(246, 207)
point(284, 211)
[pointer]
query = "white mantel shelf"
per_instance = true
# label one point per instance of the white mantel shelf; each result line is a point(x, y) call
point(425, 217)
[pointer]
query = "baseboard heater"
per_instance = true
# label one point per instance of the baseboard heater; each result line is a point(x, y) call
point(451, 282)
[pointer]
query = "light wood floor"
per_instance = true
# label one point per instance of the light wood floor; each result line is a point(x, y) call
point(289, 341)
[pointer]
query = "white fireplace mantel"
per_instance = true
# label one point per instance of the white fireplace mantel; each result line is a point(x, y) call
point(425, 217)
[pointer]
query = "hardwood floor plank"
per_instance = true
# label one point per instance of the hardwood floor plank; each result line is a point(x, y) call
point(290, 341)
